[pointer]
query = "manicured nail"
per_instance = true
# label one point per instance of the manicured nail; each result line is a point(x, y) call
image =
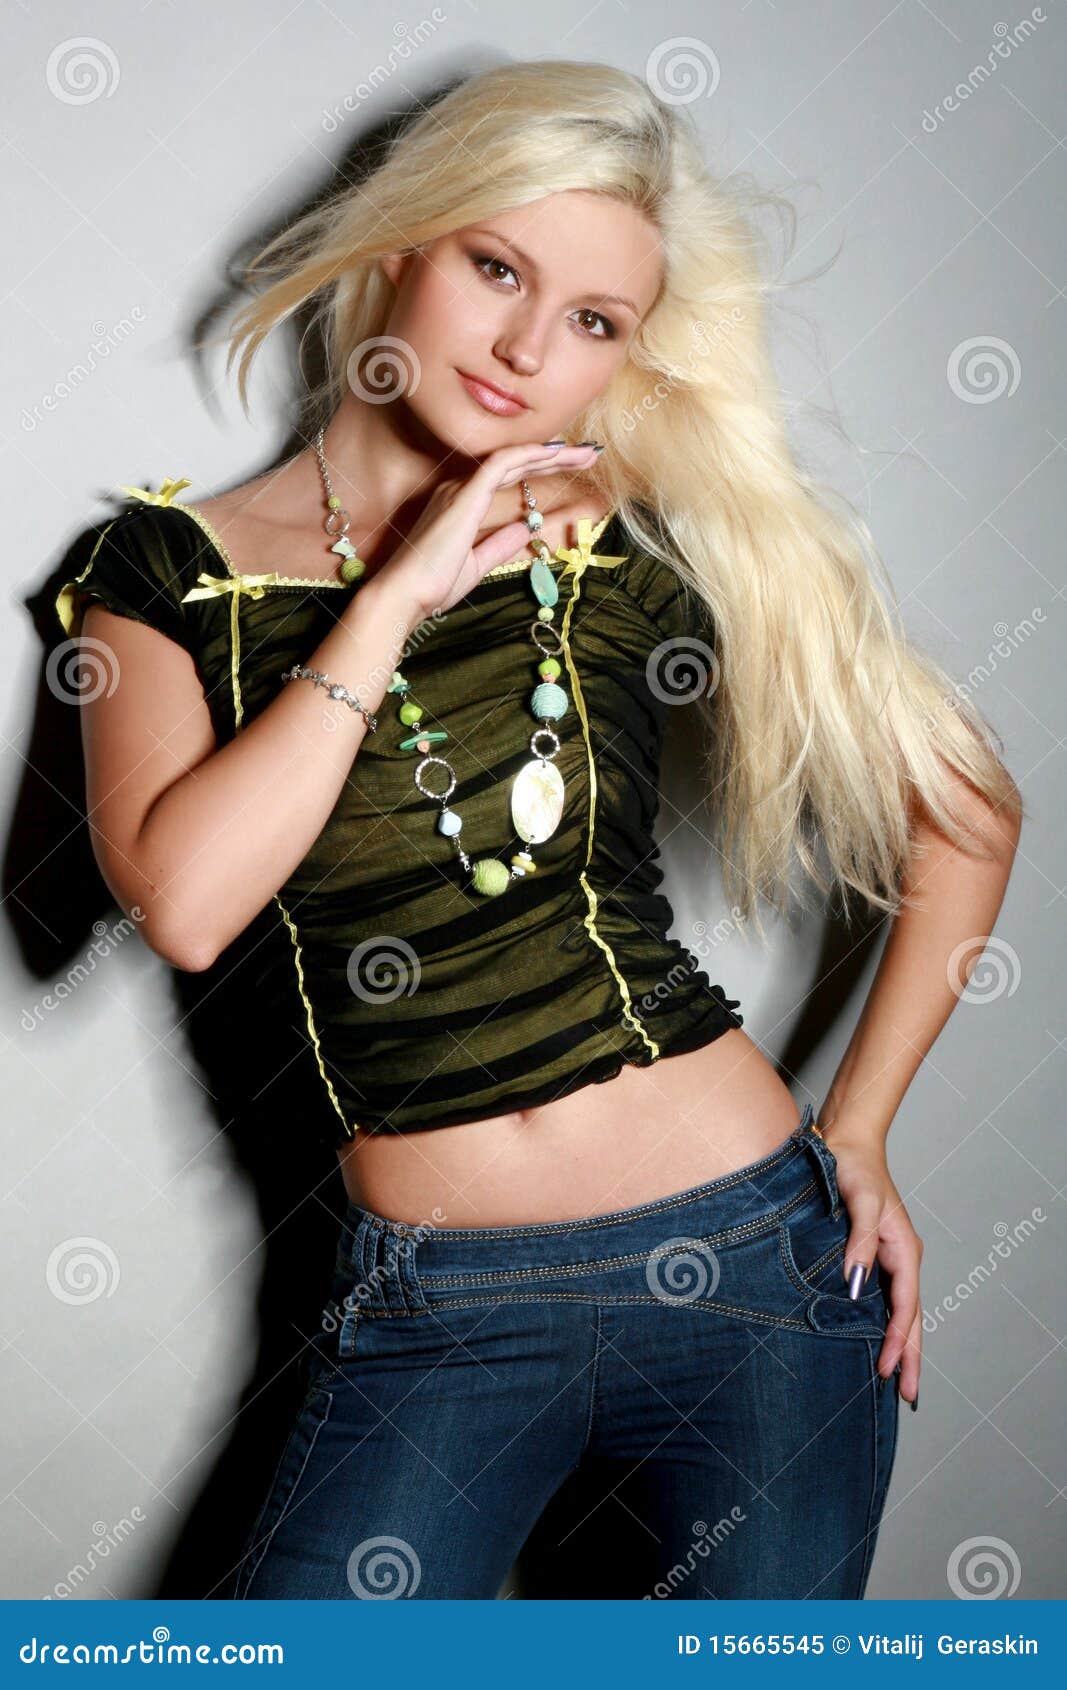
point(915, 1402)
point(595, 444)
point(857, 1274)
point(554, 443)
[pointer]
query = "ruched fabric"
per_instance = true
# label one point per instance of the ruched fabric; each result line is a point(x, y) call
point(384, 995)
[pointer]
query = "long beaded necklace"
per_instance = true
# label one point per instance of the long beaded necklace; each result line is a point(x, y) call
point(537, 790)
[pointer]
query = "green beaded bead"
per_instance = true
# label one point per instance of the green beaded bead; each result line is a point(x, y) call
point(548, 669)
point(352, 569)
point(490, 876)
point(334, 502)
point(546, 613)
point(410, 713)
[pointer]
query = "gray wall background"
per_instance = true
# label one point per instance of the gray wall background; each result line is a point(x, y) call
point(143, 149)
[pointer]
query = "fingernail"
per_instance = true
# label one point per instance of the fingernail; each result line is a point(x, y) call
point(915, 1403)
point(857, 1274)
point(554, 443)
point(598, 447)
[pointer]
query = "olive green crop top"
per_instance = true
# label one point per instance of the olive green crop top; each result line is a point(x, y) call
point(385, 995)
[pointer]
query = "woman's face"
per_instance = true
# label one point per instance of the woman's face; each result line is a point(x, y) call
point(542, 302)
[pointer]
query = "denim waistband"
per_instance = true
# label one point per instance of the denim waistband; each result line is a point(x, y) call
point(735, 1199)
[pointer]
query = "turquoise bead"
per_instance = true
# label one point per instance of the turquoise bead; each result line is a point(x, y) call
point(543, 583)
point(549, 700)
point(433, 737)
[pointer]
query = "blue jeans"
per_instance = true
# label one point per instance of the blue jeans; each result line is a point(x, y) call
point(698, 1355)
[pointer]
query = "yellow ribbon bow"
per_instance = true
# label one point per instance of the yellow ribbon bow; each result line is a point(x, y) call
point(212, 585)
point(163, 497)
point(583, 554)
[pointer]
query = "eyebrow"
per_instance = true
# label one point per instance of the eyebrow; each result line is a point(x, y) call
point(532, 264)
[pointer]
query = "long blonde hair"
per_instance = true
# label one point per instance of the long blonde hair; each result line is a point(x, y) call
point(827, 727)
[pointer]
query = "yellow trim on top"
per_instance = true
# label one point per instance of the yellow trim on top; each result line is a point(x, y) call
point(350, 1132)
point(589, 920)
point(68, 603)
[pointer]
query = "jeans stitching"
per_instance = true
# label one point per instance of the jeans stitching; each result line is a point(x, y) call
point(636, 1299)
point(868, 1551)
point(730, 1235)
point(325, 1405)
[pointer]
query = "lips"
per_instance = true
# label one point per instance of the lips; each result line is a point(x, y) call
point(490, 397)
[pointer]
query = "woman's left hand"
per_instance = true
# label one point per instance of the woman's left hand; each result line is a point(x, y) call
point(879, 1226)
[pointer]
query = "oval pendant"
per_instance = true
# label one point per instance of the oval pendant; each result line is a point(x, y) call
point(537, 801)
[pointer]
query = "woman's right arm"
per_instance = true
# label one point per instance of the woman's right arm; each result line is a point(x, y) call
point(200, 837)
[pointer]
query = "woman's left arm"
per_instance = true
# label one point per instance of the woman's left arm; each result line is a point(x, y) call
point(950, 903)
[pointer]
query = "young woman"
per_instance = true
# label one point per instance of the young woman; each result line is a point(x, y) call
point(417, 754)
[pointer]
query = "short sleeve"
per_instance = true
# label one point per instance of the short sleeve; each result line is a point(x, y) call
point(134, 570)
point(667, 598)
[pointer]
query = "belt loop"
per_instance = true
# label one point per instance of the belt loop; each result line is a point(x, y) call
point(825, 1160)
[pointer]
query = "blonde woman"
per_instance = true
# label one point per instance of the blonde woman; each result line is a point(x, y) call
point(397, 707)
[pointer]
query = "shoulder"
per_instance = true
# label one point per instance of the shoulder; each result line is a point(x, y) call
point(651, 577)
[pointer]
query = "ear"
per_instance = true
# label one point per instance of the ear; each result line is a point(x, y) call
point(392, 264)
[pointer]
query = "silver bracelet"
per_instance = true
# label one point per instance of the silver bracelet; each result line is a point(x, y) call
point(301, 673)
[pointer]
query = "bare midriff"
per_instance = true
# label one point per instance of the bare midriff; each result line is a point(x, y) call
point(645, 1133)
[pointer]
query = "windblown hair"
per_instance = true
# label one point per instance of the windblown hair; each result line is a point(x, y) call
point(829, 731)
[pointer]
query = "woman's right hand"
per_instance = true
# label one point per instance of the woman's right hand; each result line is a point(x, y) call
point(439, 562)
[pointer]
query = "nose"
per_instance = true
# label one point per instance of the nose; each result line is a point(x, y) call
point(520, 346)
